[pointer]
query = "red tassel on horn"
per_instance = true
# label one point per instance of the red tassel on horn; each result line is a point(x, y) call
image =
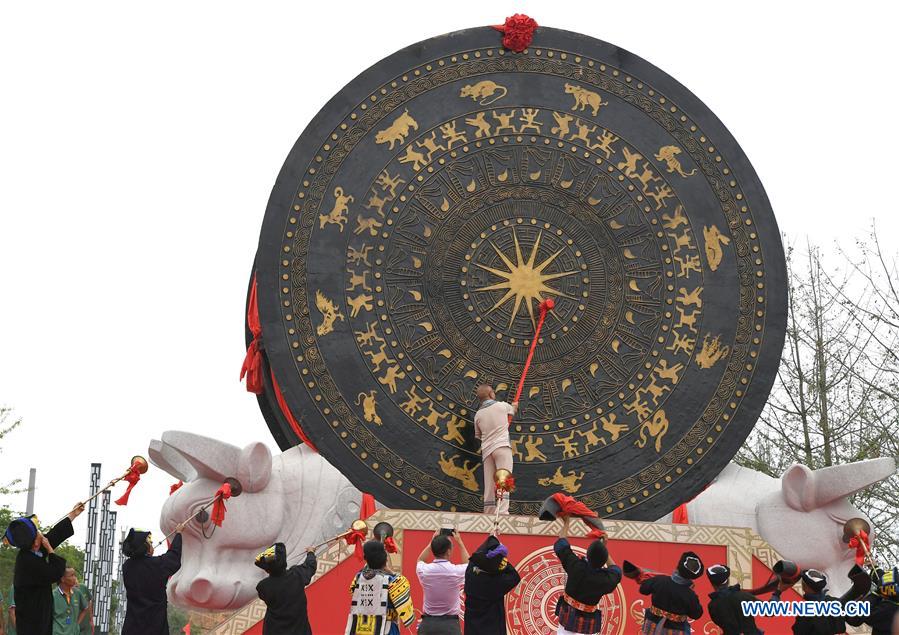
point(175, 487)
point(859, 542)
point(132, 477)
point(390, 545)
point(570, 506)
point(218, 507)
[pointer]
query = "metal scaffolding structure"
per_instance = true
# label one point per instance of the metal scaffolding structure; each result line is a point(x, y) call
point(120, 587)
point(89, 574)
point(104, 568)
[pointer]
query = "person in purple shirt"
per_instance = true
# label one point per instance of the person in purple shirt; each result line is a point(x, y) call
point(441, 582)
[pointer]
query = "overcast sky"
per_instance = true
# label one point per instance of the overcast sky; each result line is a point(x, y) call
point(138, 147)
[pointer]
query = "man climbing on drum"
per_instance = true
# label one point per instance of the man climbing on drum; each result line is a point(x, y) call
point(491, 426)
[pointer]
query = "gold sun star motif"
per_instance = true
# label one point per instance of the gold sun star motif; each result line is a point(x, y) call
point(524, 281)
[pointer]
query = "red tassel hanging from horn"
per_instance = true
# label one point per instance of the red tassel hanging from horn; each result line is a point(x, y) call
point(861, 543)
point(132, 477)
point(218, 507)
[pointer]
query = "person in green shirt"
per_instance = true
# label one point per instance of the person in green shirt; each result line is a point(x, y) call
point(86, 619)
point(10, 612)
point(68, 605)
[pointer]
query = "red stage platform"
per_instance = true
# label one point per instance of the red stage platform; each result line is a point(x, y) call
point(530, 606)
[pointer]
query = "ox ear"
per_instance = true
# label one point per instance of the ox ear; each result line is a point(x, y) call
point(254, 469)
point(807, 490)
point(209, 458)
point(168, 460)
point(798, 485)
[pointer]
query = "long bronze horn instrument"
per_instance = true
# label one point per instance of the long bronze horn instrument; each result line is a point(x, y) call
point(236, 490)
point(634, 572)
point(358, 525)
point(783, 571)
point(853, 529)
point(138, 463)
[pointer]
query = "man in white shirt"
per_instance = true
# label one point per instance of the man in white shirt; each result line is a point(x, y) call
point(491, 426)
point(441, 583)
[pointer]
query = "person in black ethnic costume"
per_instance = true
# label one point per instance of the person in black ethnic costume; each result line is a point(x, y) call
point(588, 580)
point(725, 604)
point(37, 568)
point(883, 604)
point(488, 578)
point(284, 591)
point(145, 577)
point(814, 589)
point(674, 601)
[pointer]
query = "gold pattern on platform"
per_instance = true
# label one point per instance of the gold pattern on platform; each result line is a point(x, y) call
point(715, 242)
point(668, 154)
point(484, 92)
point(338, 214)
point(330, 314)
point(570, 481)
point(369, 407)
point(711, 352)
point(584, 98)
point(398, 130)
point(523, 280)
point(463, 473)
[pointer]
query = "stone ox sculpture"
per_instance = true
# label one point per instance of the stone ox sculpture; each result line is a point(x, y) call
point(801, 515)
point(296, 498)
point(300, 499)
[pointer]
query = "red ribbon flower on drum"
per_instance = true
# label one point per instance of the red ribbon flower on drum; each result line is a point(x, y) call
point(518, 31)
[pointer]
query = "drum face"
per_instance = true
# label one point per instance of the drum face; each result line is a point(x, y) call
point(431, 206)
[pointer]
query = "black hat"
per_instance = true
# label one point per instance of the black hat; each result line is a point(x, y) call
point(815, 580)
point(21, 532)
point(136, 543)
point(718, 574)
point(597, 554)
point(375, 554)
point(491, 556)
point(689, 565)
point(273, 559)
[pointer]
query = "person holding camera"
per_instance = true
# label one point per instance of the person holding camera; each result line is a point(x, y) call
point(441, 583)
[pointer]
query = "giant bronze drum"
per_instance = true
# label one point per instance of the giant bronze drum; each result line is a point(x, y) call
point(433, 203)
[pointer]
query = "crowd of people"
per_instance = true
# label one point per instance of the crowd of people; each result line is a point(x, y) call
point(380, 601)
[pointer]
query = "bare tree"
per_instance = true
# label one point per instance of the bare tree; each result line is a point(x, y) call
point(8, 423)
point(835, 397)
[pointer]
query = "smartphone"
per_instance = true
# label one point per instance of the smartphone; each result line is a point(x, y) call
point(447, 531)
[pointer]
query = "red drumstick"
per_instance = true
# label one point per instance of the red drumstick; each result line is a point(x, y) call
point(546, 306)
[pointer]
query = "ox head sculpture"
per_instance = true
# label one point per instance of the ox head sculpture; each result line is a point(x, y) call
point(804, 519)
point(295, 498)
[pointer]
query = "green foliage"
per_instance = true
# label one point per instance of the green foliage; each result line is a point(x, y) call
point(7, 554)
point(178, 619)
